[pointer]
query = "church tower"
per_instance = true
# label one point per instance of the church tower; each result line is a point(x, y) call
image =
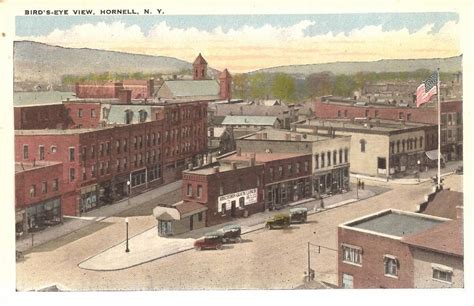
point(199, 68)
point(225, 85)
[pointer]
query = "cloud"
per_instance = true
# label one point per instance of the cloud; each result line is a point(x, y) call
point(248, 48)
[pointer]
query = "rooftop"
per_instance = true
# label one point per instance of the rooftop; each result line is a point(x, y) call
point(444, 204)
point(35, 98)
point(395, 223)
point(212, 170)
point(261, 157)
point(363, 124)
point(286, 135)
point(193, 88)
point(26, 166)
point(250, 120)
point(59, 131)
point(446, 237)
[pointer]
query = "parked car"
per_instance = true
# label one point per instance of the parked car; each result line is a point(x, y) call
point(278, 221)
point(209, 241)
point(298, 214)
point(230, 233)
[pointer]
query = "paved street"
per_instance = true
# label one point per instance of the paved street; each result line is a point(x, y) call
point(266, 259)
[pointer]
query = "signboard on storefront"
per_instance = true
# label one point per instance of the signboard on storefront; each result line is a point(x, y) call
point(249, 197)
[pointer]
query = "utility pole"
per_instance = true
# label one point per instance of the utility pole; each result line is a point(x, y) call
point(309, 264)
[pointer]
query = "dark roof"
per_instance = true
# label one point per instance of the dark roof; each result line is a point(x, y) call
point(199, 60)
point(444, 204)
point(446, 237)
point(396, 223)
point(187, 207)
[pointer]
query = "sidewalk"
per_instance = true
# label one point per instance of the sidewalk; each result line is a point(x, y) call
point(410, 179)
point(72, 223)
point(148, 246)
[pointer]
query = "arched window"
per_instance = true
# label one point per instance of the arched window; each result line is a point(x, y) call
point(363, 143)
point(329, 158)
point(143, 115)
point(128, 116)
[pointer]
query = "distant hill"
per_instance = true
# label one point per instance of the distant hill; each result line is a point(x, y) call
point(450, 64)
point(42, 63)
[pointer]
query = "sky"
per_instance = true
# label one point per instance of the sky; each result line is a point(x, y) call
point(245, 43)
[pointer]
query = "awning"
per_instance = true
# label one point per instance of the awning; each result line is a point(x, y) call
point(166, 213)
point(433, 155)
point(442, 268)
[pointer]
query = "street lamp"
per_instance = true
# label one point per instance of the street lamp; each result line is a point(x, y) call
point(128, 186)
point(357, 188)
point(126, 234)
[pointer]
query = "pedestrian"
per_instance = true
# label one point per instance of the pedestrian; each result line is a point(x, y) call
point(363, 185)
point(321, 204)
point(358, 184)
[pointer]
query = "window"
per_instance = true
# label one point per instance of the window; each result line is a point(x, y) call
point(26, 153)
point(362, 145)
point(403, 145)
point(71, 154)
point(84, 174)
point(306, 166)
point(79, 113)
point(421, 142)
point(352, 254)
point(376, 113)
point(442, 273)
point(345, 113)
point(221, 189)
point(41, 152)
point(408, 117)
point(93, 171)
point(322, 160)
point(72, 174)
point(33, 191)
point(93, 114)
point(93, 151)
point(117, 146)
point(298, 167)
point(44, 187)
point(290, 169)
point(241, 202)
point(107, 147)
point(223, 208)
point(189, 191)
point(55, 185)
point(280, 171)
point(200, 217)
point(54, 149)
point(334, 157)
point(346, 155)
point(392, 147)
point(391, 265)
point(366, 113)
point(340, 156)
point(270, 172)
point(199, 191)
point(338, 113)
point(400, 115)
point(398, 146)
point(143, 115)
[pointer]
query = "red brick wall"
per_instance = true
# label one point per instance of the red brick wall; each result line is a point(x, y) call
point(36, 176)
point(285, 162)
point(83, 115)
point(330, 110)
point(98, 90)
point(141, 89)
point(233, 181)
point(51, 116)
point(371, 273)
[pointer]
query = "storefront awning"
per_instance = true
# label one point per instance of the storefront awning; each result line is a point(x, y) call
point(433, 155)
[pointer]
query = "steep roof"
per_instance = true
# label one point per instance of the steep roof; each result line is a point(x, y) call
point(249, 120)
point(225, 74)
point(444, 204)
point(193, 88)
point(199, 60)
point(446, 237)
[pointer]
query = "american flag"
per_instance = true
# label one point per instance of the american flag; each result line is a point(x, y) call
point(427, 89)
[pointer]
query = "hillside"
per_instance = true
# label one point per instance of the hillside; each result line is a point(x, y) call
point(42, 63)
point(451, 64)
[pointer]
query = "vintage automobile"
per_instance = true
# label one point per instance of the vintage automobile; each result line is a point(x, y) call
point(278, 221)
point(230, 233)
point(209, 241)
point(298, 214)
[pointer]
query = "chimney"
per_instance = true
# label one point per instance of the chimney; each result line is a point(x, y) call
point(264, 135)
point(216, 169)
point(234, 165)
point(288, 136)
point(239, 151)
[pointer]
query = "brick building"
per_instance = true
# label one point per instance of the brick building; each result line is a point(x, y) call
point(331, 159)
point(380, 147)
point(451, 118)
point(396, 249)
point(45, 116)
point(38, 195)
point(228, 190)
point(139, 89)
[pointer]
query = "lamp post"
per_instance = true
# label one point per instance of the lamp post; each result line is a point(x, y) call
point(126, 234)
point(128, 187)
point(357, 189)
point(418, 162)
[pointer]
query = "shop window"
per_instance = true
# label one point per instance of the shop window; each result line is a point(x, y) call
point(391, 265)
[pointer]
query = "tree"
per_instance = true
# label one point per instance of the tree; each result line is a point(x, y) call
point(319, 84)
point(241, 86)
point(283, 87)
point(259, 86)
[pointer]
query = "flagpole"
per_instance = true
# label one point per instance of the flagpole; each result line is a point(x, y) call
point(439, 132)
